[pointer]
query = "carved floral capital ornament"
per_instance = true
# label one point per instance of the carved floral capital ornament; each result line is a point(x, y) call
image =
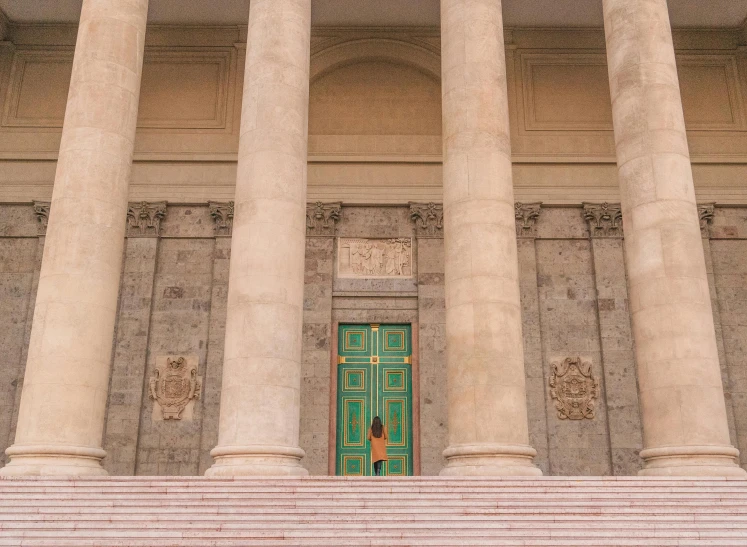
point(321, 218)
point(605, 219)
point(222, 215)
point(428, 219)
point(526, 218)
point(174, 384)
point(574, 389)
point(144, 219)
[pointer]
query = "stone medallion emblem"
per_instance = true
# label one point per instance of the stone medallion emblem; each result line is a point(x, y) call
point(173, 386)
point(574, 389)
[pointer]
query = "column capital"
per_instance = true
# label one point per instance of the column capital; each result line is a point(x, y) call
point(604, 219)
point(222, 214)
point(41, 210)
point(322, 218)
point(144, 218)
point(526, 219)
point(428, 219)
point(706, 212)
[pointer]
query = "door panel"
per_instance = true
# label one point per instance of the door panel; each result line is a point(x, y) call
point(374, 379)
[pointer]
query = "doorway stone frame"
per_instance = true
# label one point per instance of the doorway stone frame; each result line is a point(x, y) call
point(415, 368)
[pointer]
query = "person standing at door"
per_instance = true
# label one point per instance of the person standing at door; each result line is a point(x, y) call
point(377, 437)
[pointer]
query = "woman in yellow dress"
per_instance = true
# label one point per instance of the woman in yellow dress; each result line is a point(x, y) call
point(377, 437)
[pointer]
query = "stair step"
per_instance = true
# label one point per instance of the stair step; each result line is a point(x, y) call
point(337, 511)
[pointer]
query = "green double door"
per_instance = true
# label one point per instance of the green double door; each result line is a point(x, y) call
point(374, 378)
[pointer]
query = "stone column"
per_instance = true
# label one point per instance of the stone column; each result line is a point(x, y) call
point(682, 399)
point(65, 387)
point(260, 399)
point(488, 429)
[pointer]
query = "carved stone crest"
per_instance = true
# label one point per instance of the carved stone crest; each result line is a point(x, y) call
point(605, 219)
point(222, 214)
point(574, 389)
point(144, 219)
point(428, 219)
point(375, 257)
point(173, 386)
point(321, 218)
point(526, 218)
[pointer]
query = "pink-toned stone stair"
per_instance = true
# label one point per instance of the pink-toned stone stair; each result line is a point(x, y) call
point(337, 511)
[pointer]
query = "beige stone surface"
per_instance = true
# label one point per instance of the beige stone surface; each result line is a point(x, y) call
point(374, 113)
point(616, 342)
point(730, 272)
point(533, 358)
point(126, 397)
point(260, 397)
point(488, 427)
point(570, 329)
point(317, 348)
point(66, 382)
point(214, 358)
point(189, 257)
point(432, 354)
point(17, 265)
point(681, 393)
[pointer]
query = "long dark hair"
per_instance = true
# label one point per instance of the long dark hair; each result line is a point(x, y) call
point(376, 428)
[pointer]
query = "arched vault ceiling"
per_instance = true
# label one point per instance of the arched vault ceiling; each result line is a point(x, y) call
point(519, 13)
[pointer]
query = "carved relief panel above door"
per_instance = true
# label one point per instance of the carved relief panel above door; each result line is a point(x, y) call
point(374, 257)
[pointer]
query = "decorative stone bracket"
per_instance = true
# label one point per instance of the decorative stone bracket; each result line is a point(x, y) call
point(222, 215)
point(321, 218)
point(173, 386)
point(428, 219)
point(526, 218)
point(605, 219)
point(574, 389)
point(706, 212)
point(41, 210)
point(144, 218)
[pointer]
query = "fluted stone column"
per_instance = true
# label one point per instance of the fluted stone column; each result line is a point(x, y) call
point(682, 399)
point(488, 429)
point(260, 399)
point(61, 417)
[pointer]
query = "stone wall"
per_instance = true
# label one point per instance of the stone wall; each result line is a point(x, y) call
point(574, 301)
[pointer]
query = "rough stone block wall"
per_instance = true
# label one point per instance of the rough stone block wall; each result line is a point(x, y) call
point(432, 354)
point(728, 259)
point(574, 304)
point(569, 330)
point(317, 351)
point(20, 258)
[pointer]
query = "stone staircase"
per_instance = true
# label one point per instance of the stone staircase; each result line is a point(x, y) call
point(336, 511)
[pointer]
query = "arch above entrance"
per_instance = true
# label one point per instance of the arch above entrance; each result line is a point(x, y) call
point(375, 49)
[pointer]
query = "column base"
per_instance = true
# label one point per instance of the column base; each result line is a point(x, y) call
point(53, 460)
point(499, 460)
point(236, 461)
point(692, 461)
